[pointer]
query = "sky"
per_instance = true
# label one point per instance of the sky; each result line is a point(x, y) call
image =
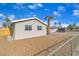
point(66, 13)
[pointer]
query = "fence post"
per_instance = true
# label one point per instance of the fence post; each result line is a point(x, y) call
point(71, 47)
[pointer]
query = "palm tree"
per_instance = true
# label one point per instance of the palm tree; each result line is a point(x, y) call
point(48, 22)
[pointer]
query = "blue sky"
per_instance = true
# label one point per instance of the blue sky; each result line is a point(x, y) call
point(66, 13)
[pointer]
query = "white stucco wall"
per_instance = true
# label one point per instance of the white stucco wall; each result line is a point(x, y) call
point(53, 30)
point(20, 32)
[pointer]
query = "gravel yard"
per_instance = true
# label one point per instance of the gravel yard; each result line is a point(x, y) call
point(31, 46)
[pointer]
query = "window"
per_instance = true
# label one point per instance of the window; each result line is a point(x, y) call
point(28, 27)
point(39, 27)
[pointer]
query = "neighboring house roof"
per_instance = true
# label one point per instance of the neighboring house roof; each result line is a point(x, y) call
point(28, 19)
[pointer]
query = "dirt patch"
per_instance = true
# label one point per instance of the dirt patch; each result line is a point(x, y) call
point(30, 46)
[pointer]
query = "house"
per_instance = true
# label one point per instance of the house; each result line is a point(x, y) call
point(53, 29)
point(27, 28)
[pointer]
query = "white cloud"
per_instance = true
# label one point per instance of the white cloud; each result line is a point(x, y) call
point(32, 7)
point(64, 25)
point(46, 9)
point(34, 15)
point(39, 4)
point(57, 21)
point(61, 8)
point(2, 15)
point(35, 6)
point(76, 12)
point(53, 22)
point(11, 17)
point(55, 13)
point(31, 14)
point(77, 24)
point(19, 6)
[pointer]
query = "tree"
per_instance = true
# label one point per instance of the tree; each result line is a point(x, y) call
point(4, 24)
point(8, 22)
point(70, 27)
point(74, 27)
point(48, 22)
point(55, 24)
point(59, 23)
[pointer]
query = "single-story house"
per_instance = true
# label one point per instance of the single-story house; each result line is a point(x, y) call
point(27, 28)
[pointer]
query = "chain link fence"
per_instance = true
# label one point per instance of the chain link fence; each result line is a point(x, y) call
point(68, 48)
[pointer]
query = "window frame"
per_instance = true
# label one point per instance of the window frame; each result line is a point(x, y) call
point(28, 27)
point(39, 27)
